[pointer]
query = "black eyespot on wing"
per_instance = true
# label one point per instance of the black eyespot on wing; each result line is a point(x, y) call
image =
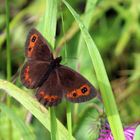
point(84, 90)
point(29, 49)
point(74, 94)
point(33, 38)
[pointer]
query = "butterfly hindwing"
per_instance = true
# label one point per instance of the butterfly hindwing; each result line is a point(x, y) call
point(36, 47)
point(77, 88)
point(33, 73)
point(50, 93)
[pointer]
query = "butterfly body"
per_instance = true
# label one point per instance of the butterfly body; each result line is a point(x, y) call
point(52, 80)
point(55, 63)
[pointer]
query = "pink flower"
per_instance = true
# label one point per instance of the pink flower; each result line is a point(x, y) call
point(105, 134)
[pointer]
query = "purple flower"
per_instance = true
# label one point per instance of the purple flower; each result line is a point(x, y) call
point(105, 134)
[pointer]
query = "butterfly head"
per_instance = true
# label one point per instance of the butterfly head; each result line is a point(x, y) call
point(56, 62)
point(58, 59)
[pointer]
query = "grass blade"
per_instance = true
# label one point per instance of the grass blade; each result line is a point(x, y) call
point(8, 56)
point(54, 131)
point(103, 82)
point(68, 104)
point(50, 20)
point(25, 132)
point(49, 31)
point(69, 120)
point(137, 133)
point(31, 104)
point(8, 52)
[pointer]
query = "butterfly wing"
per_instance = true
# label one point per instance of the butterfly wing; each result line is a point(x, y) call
point(34, 73)
point(77, 88)
point(50, 93)
point(36, 47)
point(39, 56)
point(52, 86)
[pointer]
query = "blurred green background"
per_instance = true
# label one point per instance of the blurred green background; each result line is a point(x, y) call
point(115, 28)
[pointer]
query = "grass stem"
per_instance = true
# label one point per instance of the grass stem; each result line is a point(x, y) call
point(8, 55)
point(49, 24)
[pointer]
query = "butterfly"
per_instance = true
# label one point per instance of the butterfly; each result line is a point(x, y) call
point(51, 80)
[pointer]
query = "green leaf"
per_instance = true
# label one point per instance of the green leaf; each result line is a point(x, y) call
point(49, 31)
point(25, 132)
point(103, 82)
point(50, 20)
point(30, 103)
point(137, 133)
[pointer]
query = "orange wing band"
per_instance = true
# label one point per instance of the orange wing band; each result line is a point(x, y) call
point(32, 44)
point(26, 73)
point(82, 91)
point(49, 98)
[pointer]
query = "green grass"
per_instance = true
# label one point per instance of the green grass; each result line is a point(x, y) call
point(68, 105)
point(8, 55)
point(114, 34)
point(31, 104)
point(106, 91)
point(137, 133)
point(49, 31)
point(23, 128)
point(8, 50)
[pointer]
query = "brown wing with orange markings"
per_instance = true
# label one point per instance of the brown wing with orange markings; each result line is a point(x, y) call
point(36, 47)
point(51, 92)
point(76, 87)
point(34, 73)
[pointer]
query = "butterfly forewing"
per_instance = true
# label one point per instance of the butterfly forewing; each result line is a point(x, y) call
point(37, 47)
point(39, 56)
point(77, 88)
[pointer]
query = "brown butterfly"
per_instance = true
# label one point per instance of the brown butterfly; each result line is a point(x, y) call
point(51, 79)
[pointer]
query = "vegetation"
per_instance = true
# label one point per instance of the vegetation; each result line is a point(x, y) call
point(98, 38)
